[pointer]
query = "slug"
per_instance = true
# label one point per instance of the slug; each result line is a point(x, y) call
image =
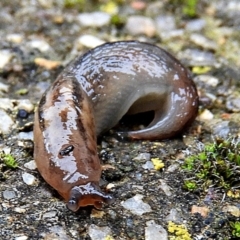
point(90, 96)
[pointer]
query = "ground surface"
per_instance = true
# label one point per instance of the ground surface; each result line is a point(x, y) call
point(204, 37)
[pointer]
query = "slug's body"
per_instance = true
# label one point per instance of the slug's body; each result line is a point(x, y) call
point(90, 96)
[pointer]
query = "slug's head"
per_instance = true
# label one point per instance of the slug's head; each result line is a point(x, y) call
point(85, 195)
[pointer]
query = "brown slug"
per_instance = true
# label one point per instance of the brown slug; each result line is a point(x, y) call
point(90, 96)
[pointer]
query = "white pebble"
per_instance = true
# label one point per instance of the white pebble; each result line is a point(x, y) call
point(143, 156)
point(6, 122)
point(165, 188)
point(165, 23)
point(49, 214)
point(19, 210)
point(94, 19)
point(6, 103)
point(4, 87)
point(154, 231)
point(176, 33)
point(172, 167)
point(29, 179)
point(39, 44)
point(25, 104)
point(31, 165)
point(21, 238)
point(148, 165)
point(15, 38)
point(195, 25)
point(202, 41)
point(98, 233)
point(25, 136)
point(5, 57)
point(57, 233)
point(206, 115)
point(136, 205)
point(174, 216)
point(137, 25)
point(89, 41)
point(207, 79)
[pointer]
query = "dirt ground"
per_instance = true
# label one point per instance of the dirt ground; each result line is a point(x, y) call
point(205, 37)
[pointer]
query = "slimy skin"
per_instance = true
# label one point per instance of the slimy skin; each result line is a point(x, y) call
point(90, 96)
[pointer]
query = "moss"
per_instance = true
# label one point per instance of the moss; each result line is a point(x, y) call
point(22, 91)
point(108, 237)
point(217, 164)
point(190, 7)
point(190, 185)
point(73, 3)
point(158, 164)
point(235, 228)
point(178, 232)
point(8, 160)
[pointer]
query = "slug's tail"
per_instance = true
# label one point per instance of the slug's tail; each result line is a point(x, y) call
point(169, 121)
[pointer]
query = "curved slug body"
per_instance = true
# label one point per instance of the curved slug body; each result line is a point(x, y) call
point(90, 96)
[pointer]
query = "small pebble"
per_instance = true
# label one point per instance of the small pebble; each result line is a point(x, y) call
point(233, 103)
point(46, 63)
point(29, 179)
point(202, 210)
point(89, 41)
point(197, 57)
point(154, 231)
point(25, 104)
point(174, 216)
point(21, 238)
point(202, 41)
point(25, 136)
point(15, 38)
point(195, 25)
point(5, 57)
point(46, 3)
point(94, 19)
point(165, 23)
point(31, 165)
point(98, 233)
point(207, 79)
point(6, 103)
point(56, 233)
point(39, 44)
point(6, 122)
point(137, 25)
point(8, 194)
point(19, 210)
point(143, 156)
point(4, 87)
point(166, 189)
point(136, 205)
point(235, 211)
point(221, 129)
point(50, 214)
point(97, 214)
point(148, 165)
point(167, 35)
point(206, 115)
point(172, 167)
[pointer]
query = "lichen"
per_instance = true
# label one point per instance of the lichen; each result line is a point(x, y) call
point(157, 163)
point(178, 232)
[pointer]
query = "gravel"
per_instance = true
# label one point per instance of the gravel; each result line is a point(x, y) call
point(146, 199)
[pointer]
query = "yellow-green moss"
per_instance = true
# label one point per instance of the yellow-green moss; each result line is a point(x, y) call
point(178, 232)
point(158, 164)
